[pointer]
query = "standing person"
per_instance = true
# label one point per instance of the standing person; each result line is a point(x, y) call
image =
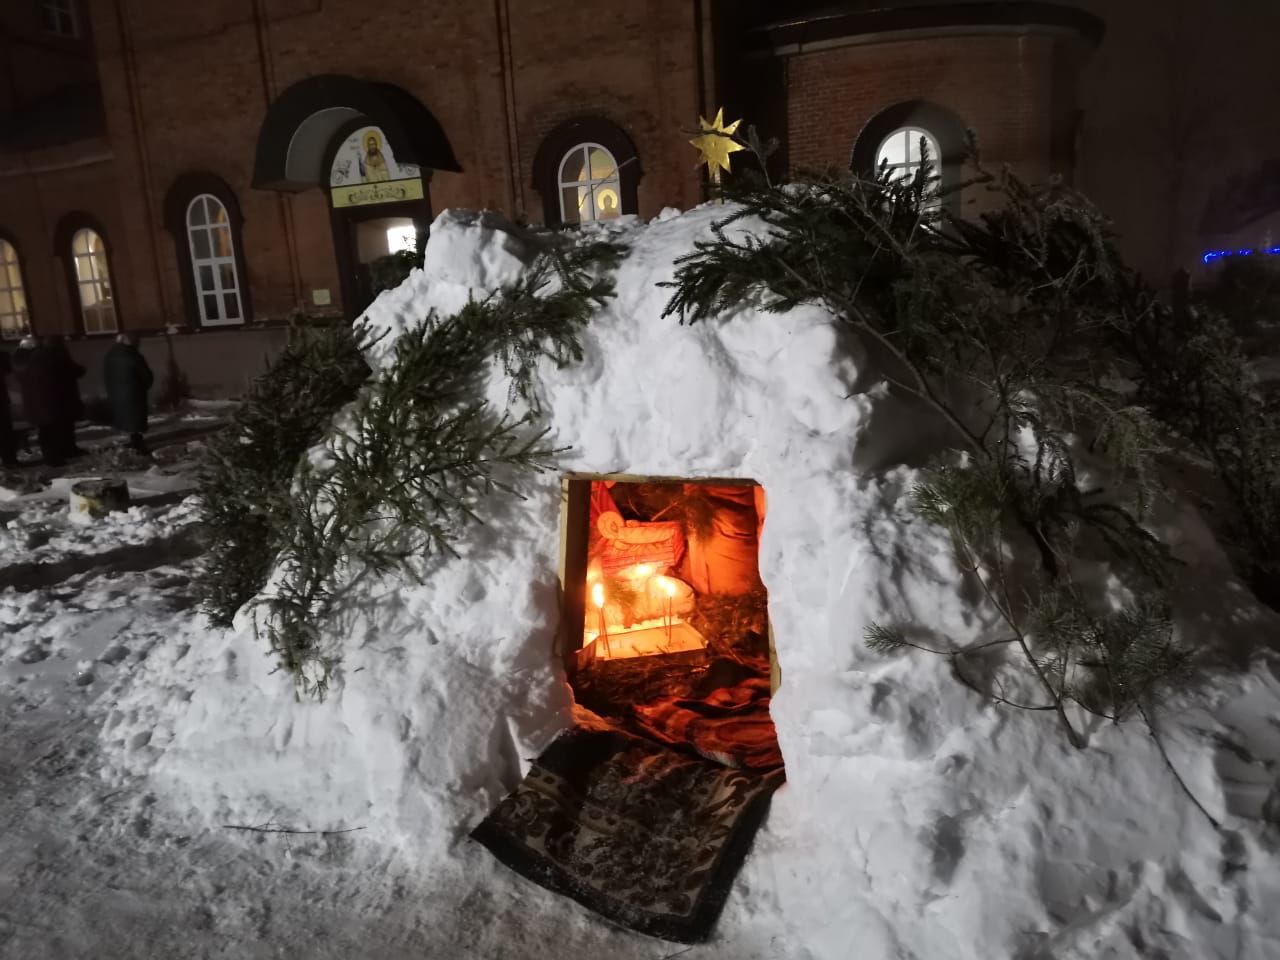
point(69, 408)
point(8, 442)
point(128, 377)
point(34, 364)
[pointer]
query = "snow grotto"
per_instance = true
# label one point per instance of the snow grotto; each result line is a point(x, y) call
point(602, 687)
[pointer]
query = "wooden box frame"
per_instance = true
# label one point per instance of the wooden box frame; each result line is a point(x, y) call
point(575, 522)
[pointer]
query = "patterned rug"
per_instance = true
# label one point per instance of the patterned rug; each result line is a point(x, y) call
point(731, 725)
point(647, 836)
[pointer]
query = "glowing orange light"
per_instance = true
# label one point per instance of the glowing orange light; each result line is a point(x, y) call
point(641, 570)
point(668, 586)
point(597, 595)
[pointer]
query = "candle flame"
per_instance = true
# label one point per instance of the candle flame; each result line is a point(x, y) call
point(642, 570)
point(597, 595)
point(668, 586)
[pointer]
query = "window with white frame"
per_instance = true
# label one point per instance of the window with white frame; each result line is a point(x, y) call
point(213, 261)
point(59, 17)
point(589, 185)
point(900, 152)
point(93, 281)
point(13, 299)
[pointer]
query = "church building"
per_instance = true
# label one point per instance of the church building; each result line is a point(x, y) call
point(205, 175)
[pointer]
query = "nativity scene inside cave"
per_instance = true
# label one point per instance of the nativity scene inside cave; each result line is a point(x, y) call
point(666, 626)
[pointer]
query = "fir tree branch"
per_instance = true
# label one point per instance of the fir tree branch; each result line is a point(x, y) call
point(997, 698)
point(1164, 754)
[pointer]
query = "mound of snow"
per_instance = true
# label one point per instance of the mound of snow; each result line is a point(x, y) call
point(917, 821)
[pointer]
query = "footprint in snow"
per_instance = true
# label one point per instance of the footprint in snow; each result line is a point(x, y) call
point(33, 654)
point(113, 655)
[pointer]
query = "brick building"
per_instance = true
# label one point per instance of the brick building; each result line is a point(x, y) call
point(202, 174)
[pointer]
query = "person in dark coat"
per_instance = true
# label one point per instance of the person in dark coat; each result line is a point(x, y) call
point(48, 379)
point(70, 407)
point(8, 441)
point(128, 377)
point(33, 365)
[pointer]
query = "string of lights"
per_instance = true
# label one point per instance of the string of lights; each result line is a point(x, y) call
point(1213, 255)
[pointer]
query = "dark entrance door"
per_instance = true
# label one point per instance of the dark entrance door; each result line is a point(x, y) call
point(365, 237)
point(380, 208)
point(371, 147)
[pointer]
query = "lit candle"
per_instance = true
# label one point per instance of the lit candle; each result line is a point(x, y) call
point(597, 595)
point(670, 588)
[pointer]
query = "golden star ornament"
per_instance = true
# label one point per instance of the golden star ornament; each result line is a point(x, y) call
point(716, 142)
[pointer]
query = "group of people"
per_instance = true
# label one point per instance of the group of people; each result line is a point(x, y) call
point(48, 382)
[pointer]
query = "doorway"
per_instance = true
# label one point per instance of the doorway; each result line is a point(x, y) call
point(665, 620)
point(381, 212)
point(375, 246)
point(370, 146)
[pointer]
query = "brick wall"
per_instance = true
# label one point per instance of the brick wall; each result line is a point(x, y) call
point(35, 192)
point(34, 62)
point(1000, 87)
point(633, 62)
point(186, 88)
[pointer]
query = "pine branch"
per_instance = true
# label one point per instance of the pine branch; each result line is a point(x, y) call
point(1164, 754)
point(1016, 308)
point(401, 478)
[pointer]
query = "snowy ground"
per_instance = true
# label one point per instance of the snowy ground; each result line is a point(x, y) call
point(91, 865)
point(94, 865)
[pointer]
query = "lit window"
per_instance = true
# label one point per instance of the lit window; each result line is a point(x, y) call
point(93, 282)
point(59, 17)
point(213, 261)
point(589, 185)
point(13, 300)
point(402, 238)
point(900, 152)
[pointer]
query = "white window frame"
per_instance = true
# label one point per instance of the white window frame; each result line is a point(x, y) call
point(15, 323)
point(590, 184)
point(93, 272)
point(63, 16)
point(214, 262)
point(911, 139)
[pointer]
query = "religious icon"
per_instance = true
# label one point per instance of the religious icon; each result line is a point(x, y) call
point(607, 202)
point(373, 163)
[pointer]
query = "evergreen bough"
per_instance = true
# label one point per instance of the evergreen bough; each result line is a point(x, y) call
point(244, 483)
point(395, 481)
point(1004, 326)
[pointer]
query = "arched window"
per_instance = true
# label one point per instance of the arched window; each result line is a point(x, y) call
point(586, 169)
point(13, 298)
point(93, 281)
point(893, 136)
point(901, 152)
point(589, 185)
point(213, 261)
point(203, 217)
